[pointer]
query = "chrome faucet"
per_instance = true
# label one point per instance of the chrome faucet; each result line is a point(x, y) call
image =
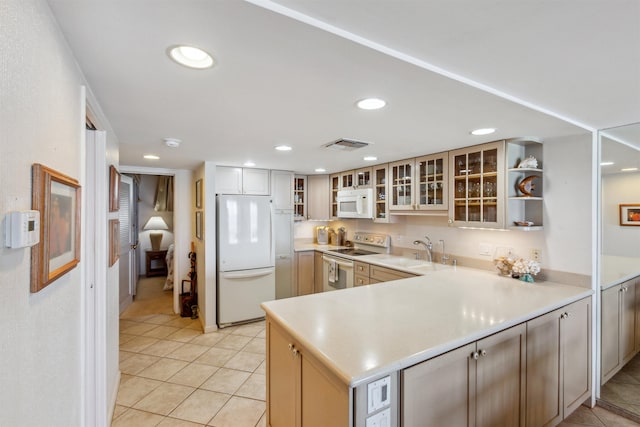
point(428, 246)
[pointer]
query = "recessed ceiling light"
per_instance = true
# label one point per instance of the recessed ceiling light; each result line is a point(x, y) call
point(249, 163)
point(172, 142)
point(628, 169)
point(151, 157)
point(321, 170)
point(283, 147)
point(371, 103)
point(369, 158)
point(190, 56)
point(483, 131)
point(606, 163)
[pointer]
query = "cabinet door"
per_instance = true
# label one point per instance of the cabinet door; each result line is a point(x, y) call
point(363, 177)
point(627, 321)
point(282, 378)
point(610, 359)
point(347, 180)
point(431, 182)
point(576, 354)
point(477, 186)
point(324, 400)
point(500, 379)
point(282, 190)
point(544, 385)
point(380, 192)
point(305, 272)
point(318, 272)
point(401, 185)
point(436, 393)
point(299, 198)
point(318, 197)
point(335, 187)
point(255, 181)
point(228, 180)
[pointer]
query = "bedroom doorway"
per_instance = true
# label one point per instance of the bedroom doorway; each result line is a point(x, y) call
point(147, 241)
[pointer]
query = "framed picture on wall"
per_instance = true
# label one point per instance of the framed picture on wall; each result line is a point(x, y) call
point(57, 197)
point(199, 224)
point(114, 189)
point(199, 194)
point(114, 241)
point(630, 214)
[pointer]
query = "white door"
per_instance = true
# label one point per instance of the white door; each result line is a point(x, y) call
point(128, 242)
point(244, 232)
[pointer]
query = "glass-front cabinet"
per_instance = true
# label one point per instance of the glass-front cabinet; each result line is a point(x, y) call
point(299, 198)
point(334, 181)
point(432, 185)
point(477, 186)
point(401, 185)
point(347, 179)
point(380, 173)
point(363, 177)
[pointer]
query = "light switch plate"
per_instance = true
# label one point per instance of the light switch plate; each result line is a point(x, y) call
point(378, 394)
point(381, 419)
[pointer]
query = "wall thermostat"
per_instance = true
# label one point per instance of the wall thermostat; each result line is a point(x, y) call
point(22, 229)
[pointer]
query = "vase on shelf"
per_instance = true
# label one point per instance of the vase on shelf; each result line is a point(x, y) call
point(527, 278)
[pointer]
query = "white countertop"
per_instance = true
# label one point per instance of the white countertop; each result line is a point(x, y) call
point(367, 331)
point(618, 269)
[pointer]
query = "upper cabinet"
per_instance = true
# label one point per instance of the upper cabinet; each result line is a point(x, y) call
point(497, 185)
point(363, 177)
point(282, 190)
point(230, 180)
point(419, 184)
point(477, 186)
point(299, 198)
point(318, 196)
point(380, 192)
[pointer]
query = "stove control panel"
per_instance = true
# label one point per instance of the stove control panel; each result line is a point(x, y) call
point(372, 239)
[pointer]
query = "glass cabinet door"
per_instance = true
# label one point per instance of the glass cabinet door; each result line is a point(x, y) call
point(335, 186)
point(432, 182)
point(347, 180)
point(363, 177)
point(401, 186)
point(477, 185)
point(380, 193)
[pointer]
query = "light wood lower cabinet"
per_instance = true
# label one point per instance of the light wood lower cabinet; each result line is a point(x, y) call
point(300, 390)
point(618, 327)
point(480, 385)
point(558, 363)
point(318, 272)
point(305, 272)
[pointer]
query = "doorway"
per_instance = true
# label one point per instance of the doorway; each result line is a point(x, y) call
point(147, 245)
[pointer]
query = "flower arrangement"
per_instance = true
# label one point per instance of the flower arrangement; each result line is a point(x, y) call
point(525, 269)
point(504, 264)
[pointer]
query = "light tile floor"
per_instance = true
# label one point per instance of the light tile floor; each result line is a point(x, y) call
point(174, 375)
point(623, 390)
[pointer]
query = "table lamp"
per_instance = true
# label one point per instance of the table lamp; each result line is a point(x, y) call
point(155, 223)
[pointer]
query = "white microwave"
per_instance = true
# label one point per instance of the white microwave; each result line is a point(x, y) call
point(356, 203)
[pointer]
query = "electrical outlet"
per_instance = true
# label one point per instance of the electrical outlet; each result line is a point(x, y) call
point(535, 254)
point(485, 249)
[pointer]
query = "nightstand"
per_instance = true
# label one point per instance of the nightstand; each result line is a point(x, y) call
point(156, 262)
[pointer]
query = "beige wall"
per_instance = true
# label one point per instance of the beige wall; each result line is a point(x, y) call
point(40, 112)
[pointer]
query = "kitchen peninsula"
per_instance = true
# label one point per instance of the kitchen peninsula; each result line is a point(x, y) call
point(425, 350)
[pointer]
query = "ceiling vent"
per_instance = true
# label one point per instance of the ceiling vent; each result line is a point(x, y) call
point(346, 144)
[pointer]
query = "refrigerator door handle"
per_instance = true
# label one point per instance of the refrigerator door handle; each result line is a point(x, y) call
point(248, 274)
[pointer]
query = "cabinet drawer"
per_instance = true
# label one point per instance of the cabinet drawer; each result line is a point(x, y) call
point(360, 280)
point(361, 268)
point(383, 274)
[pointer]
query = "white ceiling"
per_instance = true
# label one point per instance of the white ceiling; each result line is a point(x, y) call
point(280, 80)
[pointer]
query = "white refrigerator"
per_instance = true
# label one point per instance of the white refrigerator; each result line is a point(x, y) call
point(246, 267)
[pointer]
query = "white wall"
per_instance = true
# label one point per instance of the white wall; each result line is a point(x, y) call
point(623, 188)
point(208, 171)
point(40, 109)
point(565, 241)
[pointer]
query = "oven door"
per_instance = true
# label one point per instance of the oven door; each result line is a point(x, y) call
point(337, 273)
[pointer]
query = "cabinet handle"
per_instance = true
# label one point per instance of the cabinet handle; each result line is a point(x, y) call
point(483, 353)
point(293, 350)
point(475, 355)
point(563, 316)
point(290, 347)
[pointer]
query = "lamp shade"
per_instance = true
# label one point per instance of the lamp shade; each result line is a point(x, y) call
point(155, 223)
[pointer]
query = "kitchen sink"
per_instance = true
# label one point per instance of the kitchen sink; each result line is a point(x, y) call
point(402, 262)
